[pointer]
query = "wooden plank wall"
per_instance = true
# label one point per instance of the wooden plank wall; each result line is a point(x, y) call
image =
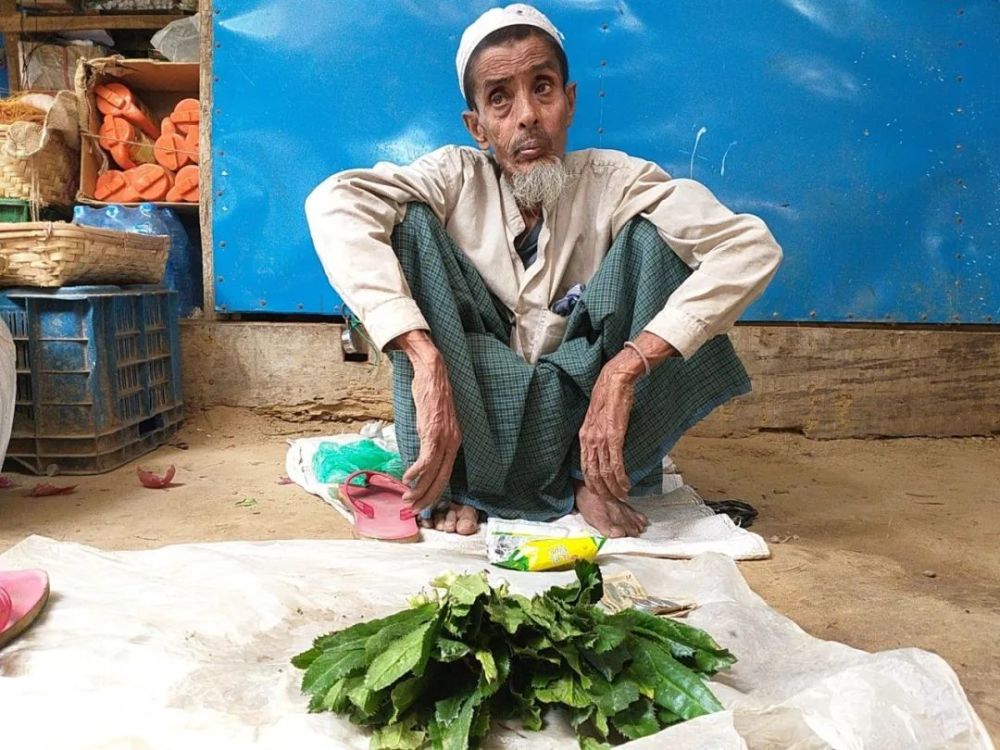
point(822, 382)
point(831, 382)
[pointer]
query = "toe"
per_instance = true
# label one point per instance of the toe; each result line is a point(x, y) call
point(441, 521)
point(468, 520)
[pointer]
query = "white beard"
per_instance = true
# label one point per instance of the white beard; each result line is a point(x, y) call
point(539, 187)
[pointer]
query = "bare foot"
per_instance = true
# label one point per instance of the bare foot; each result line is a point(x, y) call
point(609, 515)
point(456, 519)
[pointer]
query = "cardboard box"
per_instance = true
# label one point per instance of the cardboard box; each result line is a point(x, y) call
point(160, 85)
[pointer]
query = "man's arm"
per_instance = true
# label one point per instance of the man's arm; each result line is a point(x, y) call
point(602, 436)
point(437, 422)
point(351, 216)
point(734, 256)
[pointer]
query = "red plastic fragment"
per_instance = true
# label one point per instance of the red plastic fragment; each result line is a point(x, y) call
point(154, 481)
point(46, 490)
point(6, 483)
point(284, 480)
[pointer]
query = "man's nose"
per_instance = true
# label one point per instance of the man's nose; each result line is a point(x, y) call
point(527, 112)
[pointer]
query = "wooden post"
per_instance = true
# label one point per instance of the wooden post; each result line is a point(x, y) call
point(11, 46)
point(205, 160)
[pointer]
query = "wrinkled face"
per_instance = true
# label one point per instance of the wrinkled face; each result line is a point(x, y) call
point(523, 107)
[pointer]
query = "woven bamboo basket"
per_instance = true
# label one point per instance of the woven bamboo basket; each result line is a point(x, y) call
point(60, 254)
point(47, 178)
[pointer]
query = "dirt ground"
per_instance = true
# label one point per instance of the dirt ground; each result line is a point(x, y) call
point(879, 544)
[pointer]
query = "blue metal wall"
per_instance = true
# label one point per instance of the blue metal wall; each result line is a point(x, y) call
point(864, 133)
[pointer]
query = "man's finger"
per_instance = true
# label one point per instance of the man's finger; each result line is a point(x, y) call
point(418, 467)
point(440, 482)
point(617, 455)
point(607, 472)
point(611, 473)
point(585, 464)
point(418, 492)
point(592, 475)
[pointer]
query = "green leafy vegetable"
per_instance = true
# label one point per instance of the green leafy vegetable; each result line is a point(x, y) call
point(436, 675)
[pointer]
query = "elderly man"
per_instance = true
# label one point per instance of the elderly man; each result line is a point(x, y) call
point(555, 320)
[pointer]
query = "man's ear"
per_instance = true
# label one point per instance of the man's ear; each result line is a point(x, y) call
point(475, 128)
point(571, 97)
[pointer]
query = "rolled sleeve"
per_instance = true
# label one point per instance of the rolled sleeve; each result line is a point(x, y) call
point(682, 331)
point(733, 256)
point(393, 318)
point(351, 216)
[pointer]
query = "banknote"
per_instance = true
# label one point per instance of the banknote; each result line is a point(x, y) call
point(623, 590)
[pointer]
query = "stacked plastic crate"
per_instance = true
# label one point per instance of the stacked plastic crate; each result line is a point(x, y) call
point(98, 375)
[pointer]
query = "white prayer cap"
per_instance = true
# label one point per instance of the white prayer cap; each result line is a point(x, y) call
point(495, 19)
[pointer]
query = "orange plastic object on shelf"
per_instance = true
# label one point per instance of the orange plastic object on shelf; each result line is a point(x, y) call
point(127, 146)
point(117, 99)
point(185, 189)
point(192, 144)
point(186, 115)
point(172, 151)
point(114, 187)
point(151, 181)
point(107, 133)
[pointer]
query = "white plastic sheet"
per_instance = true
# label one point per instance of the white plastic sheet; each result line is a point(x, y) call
point(179, 40)
point(680, 524)
point(188, 647)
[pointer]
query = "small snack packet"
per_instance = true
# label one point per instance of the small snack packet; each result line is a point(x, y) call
point(530, 546)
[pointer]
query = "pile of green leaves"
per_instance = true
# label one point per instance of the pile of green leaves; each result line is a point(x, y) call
point(436, 675)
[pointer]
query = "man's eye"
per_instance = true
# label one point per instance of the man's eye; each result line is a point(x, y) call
point(544, 87)
point(497, 99)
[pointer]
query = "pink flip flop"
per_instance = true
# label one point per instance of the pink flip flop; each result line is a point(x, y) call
point(379, 509)
point(23, 594)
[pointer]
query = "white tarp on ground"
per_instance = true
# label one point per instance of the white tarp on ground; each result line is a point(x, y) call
point(681, 525)
point(188, 647)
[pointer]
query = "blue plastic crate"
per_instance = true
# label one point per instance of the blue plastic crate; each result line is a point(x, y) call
point(98, 375)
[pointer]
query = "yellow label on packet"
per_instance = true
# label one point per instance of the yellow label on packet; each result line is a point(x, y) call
point(534, 546)
point(552, 554)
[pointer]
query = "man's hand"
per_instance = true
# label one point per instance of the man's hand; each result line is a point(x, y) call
point(602, 436)
point(437, 424)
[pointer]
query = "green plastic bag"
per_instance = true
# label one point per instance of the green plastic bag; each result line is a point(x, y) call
point(333, 463)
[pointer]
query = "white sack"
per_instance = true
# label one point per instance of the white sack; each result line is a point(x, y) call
point(680, 524)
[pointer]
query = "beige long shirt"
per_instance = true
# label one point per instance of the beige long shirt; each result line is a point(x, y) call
point(352, 214)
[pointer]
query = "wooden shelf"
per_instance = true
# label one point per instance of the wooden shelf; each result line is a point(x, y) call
point(20, 23)
point(13, 23)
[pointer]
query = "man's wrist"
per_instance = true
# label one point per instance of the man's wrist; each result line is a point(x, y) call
point(646, 349)
point(419, 348)
point(629, 365)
